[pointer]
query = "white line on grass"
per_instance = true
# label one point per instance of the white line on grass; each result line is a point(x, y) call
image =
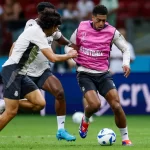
point(27, 136)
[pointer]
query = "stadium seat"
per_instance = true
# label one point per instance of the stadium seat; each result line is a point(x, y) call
point(133, 8)
point(30, 11)
point(6, 40)
point(122, 14)
point(145, 9)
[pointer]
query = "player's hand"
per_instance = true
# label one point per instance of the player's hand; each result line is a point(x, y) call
point(126, 70)
point(72, 54)
point(75, 47)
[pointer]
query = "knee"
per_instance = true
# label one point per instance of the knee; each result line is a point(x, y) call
point(39, 106)
point(59, 94)
point(11, 113)
point(116, 107)
point(42, 105)
point(96, 106)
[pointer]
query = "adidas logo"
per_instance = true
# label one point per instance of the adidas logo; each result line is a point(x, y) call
point(63, 122)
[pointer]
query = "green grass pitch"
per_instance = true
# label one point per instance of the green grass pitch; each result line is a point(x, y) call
point(33, 132)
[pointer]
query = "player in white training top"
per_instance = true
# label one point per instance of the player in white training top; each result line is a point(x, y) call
point(40, 72)
point(17, 84)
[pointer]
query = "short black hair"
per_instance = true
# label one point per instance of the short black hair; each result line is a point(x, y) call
point(42, 5)
point(100, 10)
point(49, 18)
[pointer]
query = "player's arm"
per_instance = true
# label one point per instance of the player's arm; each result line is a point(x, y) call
point(64, 41)
point(73, 40)
point(121, 43)
point(68, 48)
point(38, 38)
point(55, 57)
point(132, 54)
point(11, 49)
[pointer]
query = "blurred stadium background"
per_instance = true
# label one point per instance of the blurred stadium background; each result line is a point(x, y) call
point(134, 16)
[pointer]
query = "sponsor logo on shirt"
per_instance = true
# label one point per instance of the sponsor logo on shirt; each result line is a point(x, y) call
point(91, 52)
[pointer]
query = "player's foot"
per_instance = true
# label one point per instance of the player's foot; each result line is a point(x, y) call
point(127, 143)
point(2, 106)
point(83, 129)
point(62, 134)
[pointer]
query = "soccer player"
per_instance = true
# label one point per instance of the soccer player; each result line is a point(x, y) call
point(94, 39)
point(30, 43)
point(40, 73)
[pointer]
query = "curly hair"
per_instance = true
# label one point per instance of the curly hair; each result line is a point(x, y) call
point(42, 5)
point(100, 10)
point(49, 18)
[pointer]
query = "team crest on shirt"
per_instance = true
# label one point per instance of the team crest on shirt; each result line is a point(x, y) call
point(83, 89)
point(16, 93)
point(50, 40)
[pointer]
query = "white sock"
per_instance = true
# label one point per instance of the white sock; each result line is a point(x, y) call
point(61, 122)
point(124, 133)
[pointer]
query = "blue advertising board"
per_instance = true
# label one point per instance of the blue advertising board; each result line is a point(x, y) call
point(134, 93)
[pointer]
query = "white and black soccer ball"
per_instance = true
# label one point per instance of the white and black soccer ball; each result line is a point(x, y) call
point(77, 117)
point(106, 137)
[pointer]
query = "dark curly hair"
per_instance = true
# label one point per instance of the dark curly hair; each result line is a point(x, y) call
point(100, 10)
point(49, 18)
point(42, 5)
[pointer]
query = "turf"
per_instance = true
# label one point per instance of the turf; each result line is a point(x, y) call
point(33, 132)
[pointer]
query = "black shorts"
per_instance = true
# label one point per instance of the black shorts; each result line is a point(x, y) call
point(39, 81)
point(99, 82)
point(16, 86)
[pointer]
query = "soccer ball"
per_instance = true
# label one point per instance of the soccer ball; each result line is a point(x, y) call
point(77, 117)
point(106, 137)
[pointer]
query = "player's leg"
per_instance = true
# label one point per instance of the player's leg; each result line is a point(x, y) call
point(12, 93)
point(92, 106)
point(84, 102)
point(35, 103)
point(35, 99)
point(120, 117)
point(10, 112)
point(92, 103)
point(53, 86)
point(11, 107)
point(25, 104)
point(11, 82)
point(108, 90)
point(50, 83)
point(32, 104)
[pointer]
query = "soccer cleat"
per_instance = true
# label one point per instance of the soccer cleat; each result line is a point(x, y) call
point(2, 106)
point(62, 134)
point(83, 129)
point(127, 143)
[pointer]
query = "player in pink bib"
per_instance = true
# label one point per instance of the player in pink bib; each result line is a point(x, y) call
point(94, 39)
